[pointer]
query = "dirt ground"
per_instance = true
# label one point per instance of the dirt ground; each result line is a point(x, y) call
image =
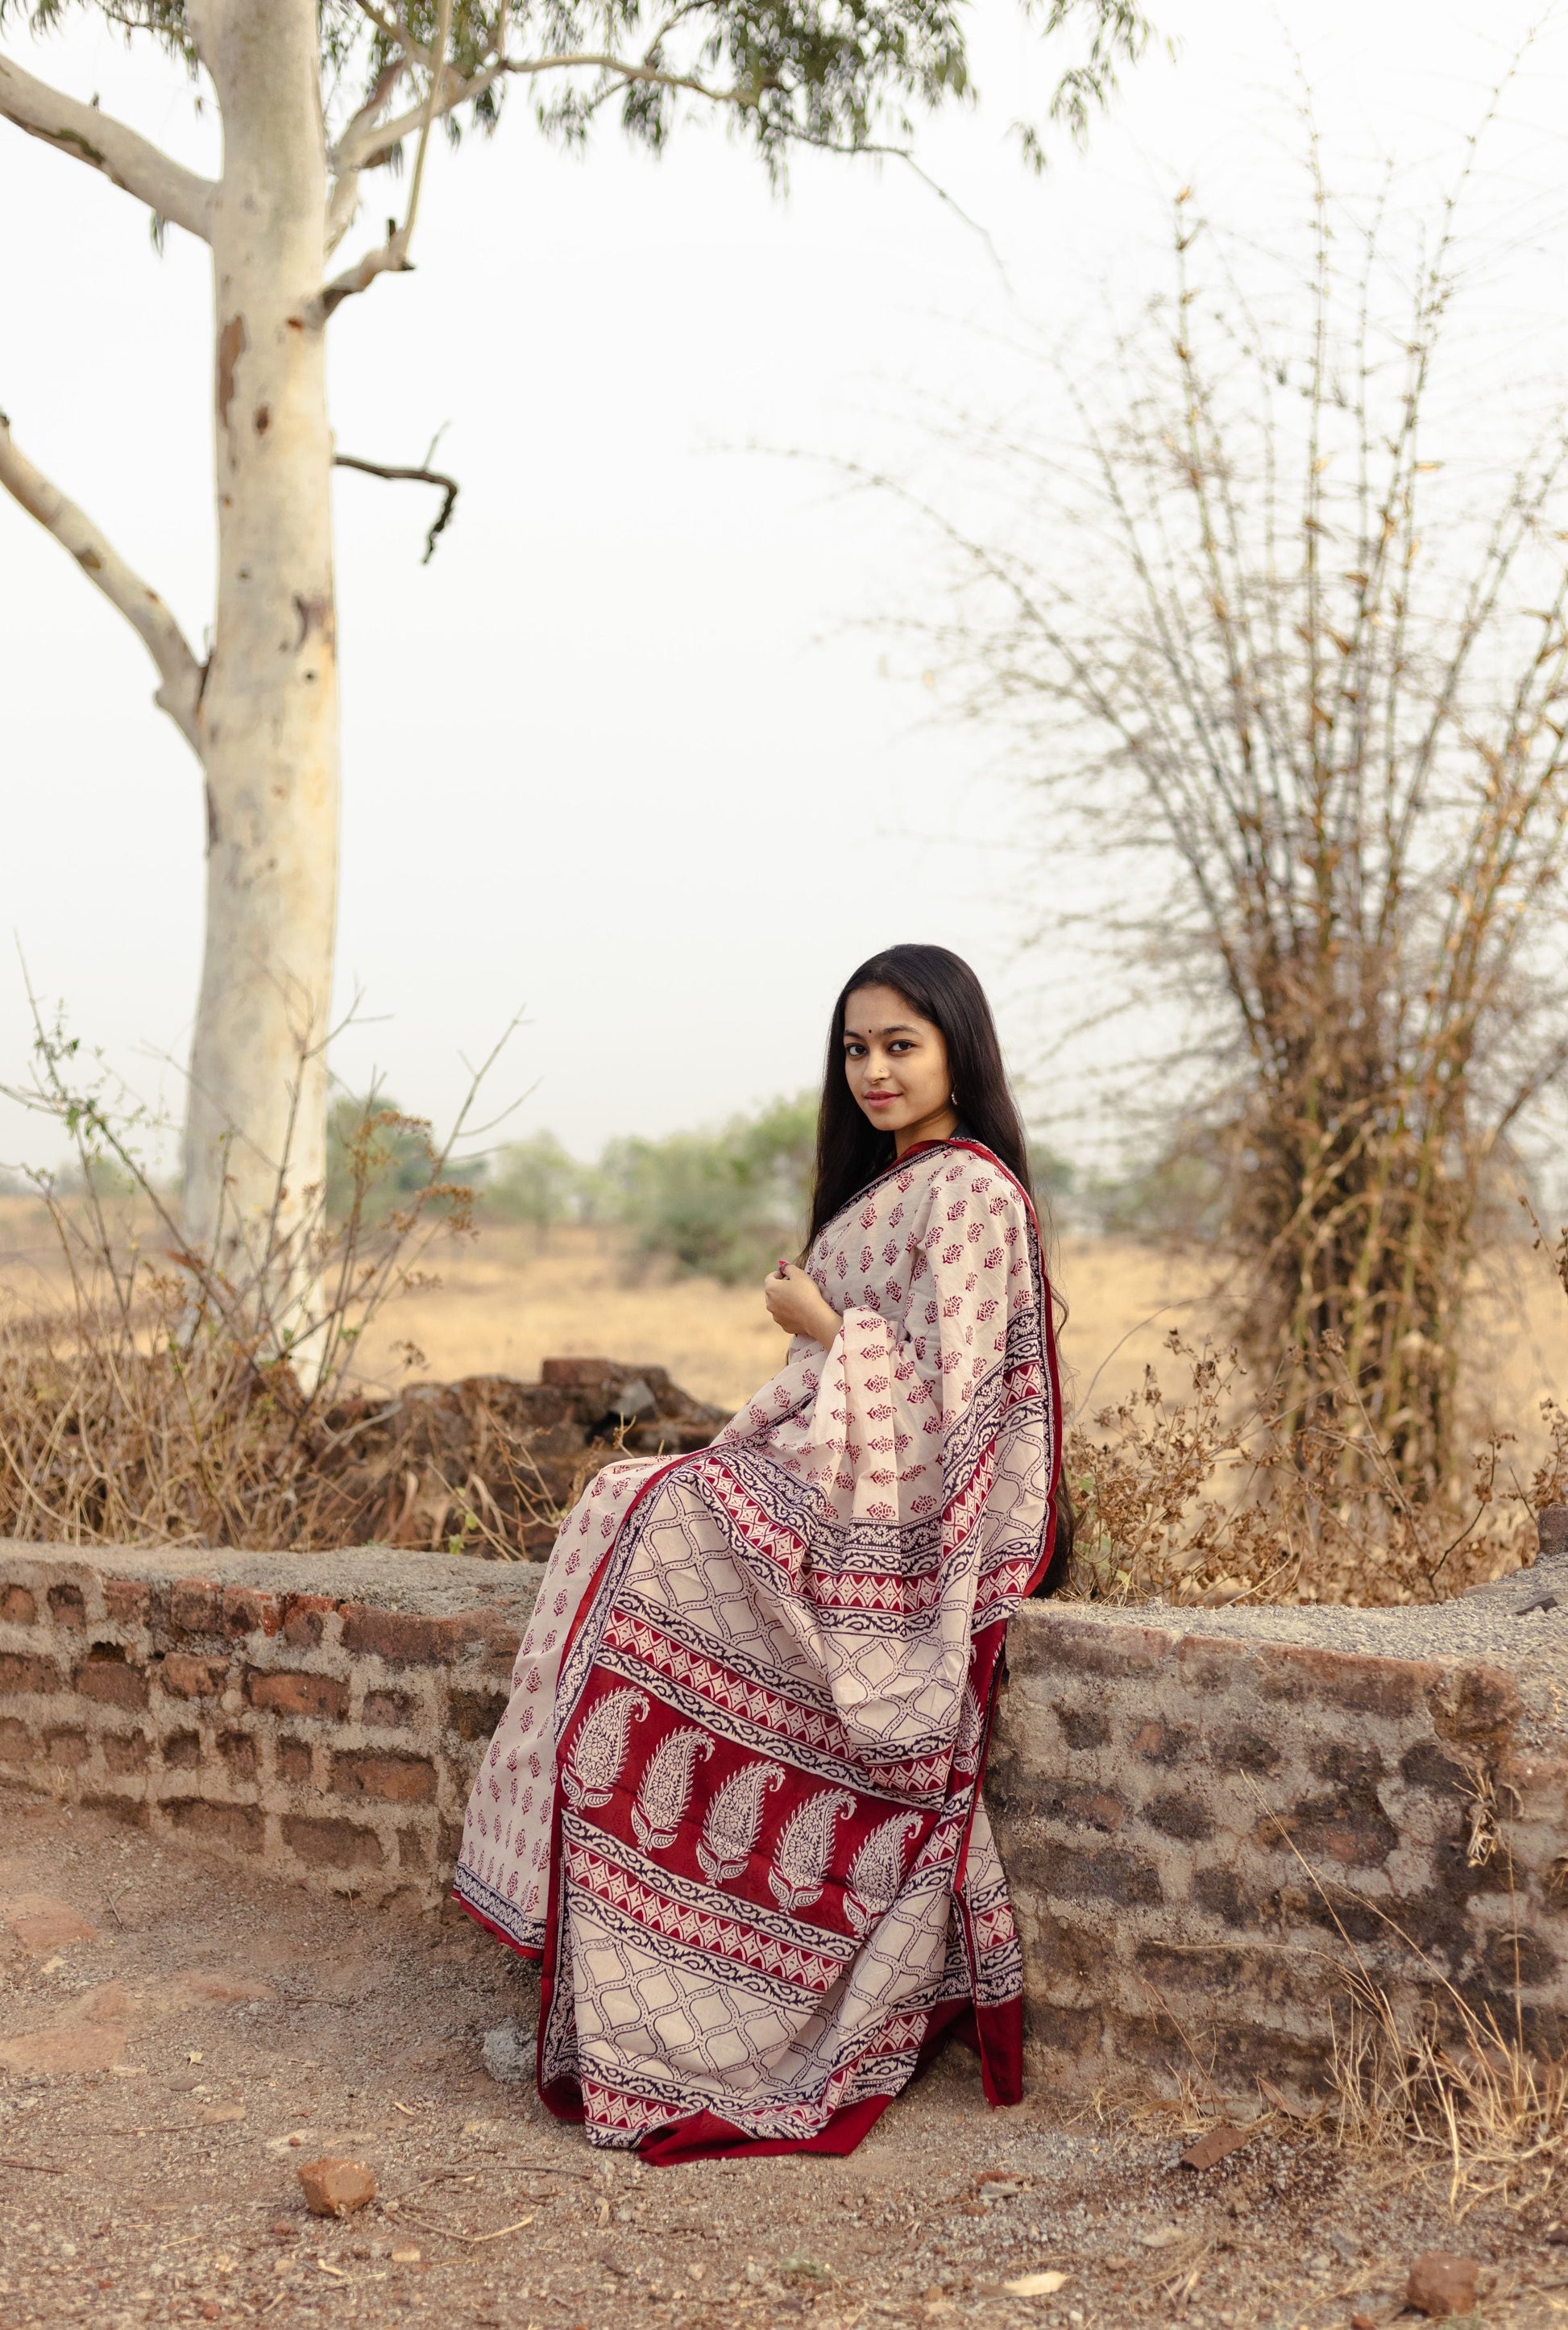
point(176, 2041)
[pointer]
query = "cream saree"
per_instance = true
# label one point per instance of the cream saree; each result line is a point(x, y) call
point(734, 1803)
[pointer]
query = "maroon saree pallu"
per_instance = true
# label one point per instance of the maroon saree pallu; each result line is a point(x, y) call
point(735, 1801)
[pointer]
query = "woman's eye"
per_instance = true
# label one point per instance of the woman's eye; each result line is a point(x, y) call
point(902, 1043)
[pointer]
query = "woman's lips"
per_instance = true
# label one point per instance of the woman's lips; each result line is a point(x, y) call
point(880, 1100)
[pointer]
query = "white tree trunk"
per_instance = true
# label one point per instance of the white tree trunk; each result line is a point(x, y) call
point(255, 1132)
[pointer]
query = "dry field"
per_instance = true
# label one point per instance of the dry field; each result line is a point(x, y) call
point(503, 1301)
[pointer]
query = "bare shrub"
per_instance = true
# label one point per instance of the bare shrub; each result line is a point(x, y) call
point(1217, 1495)
point(173, 1402)
point(1257, 618)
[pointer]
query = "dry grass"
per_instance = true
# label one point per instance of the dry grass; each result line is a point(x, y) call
point(1473, 2099)
point(1177, 1501)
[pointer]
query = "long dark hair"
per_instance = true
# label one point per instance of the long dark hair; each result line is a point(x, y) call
point(941, 987)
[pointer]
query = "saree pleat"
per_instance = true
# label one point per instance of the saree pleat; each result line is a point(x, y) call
point(735, 1801)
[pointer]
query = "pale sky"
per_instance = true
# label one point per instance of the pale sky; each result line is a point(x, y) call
point(625, 753)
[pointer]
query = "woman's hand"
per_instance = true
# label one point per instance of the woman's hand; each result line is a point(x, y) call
point(795, 1305)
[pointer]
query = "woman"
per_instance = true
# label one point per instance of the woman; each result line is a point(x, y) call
point(734, 1803)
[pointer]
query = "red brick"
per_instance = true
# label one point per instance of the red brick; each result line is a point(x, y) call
point(413, 1849)
point(67, 1606)
point(305, 1617)
point(21, 1677)
point(1357, 1834)
point(245, 1610)
point(1371, 1686)
point(383, 1707)
point(294, 1760)
point(16, 1742)
point(332, 1843)
point(194, 1606)
point(1473, 1701)
point(66, 1748)
point(1080, 1805)
point(182, 1753)
point(240, 1827)
point(185, 1676)
point(112, 1682)
point(291, 1692)
point(124, 1751)
point(127, 1600)
point(1161, 1742)
point(501, 1639)
point(474, 1714)
point(388, 1779)
point(17, 1606)
point(1180, 1816)
point(132, 1809)
point(403, 1639)
point(577, 1375)
point(1043, 1640)
point(238, 1750)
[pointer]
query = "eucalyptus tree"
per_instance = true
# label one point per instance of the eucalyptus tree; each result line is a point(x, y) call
point(260, 710)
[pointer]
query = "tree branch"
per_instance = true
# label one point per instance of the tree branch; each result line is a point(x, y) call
point(388, 257)
point(421, 476)
point(373, 145)
point(123, 156)
point(343, 200)
point(180, 675)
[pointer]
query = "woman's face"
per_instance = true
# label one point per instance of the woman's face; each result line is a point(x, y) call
point(897, 1065)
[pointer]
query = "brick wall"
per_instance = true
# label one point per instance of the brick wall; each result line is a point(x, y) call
point(322, 1714)
point(1202, 1813)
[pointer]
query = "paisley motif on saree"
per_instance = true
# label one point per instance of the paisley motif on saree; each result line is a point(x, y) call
point(735, 1801)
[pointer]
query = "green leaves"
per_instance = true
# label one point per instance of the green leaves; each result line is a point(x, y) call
point(846, 74)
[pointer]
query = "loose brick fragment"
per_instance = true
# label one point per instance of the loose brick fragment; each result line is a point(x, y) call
point(40, 1922)
point(336, 2188)
point(127, 1600)
point(1215, 2146)
point(59, 2053)
point(577, 1375)
point(1441, 2284)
